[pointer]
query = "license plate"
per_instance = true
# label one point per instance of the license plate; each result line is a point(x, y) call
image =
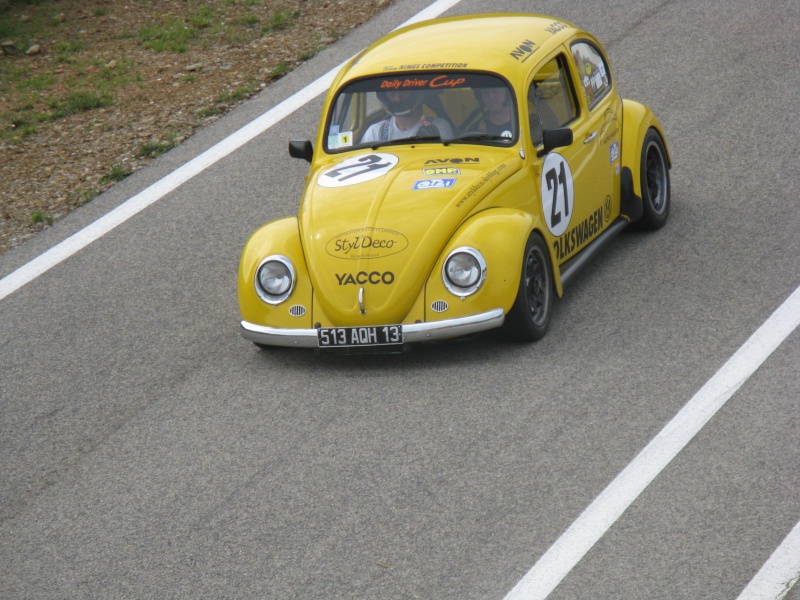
point(360, 337)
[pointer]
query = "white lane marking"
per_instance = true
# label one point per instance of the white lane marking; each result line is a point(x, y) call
point(78, 241)
point(132, 206)
point(601, 514)
point(779, 574)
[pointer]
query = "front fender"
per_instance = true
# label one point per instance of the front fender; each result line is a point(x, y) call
point(500, 235)
point(277, 237)
point(637, 119)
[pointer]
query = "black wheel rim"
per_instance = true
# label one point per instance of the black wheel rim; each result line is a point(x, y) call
point(537, 286)
point(656, 177)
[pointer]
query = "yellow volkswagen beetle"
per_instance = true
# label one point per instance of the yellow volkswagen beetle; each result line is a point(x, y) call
point(464, 171)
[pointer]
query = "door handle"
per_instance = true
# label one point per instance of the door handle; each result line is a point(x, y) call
point(590, 137)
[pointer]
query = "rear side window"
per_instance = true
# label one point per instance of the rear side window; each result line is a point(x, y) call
point(551, 101)
point(593, 71)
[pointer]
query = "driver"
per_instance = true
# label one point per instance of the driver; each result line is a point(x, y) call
point(498, 115)
point(407, 119)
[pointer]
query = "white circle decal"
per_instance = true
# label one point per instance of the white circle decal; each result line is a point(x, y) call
point(557, 193)
point(357, 170)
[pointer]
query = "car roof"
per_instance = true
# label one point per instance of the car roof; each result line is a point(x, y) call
point(493, 42)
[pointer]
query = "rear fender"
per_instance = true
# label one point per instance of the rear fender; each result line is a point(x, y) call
point(637, 119)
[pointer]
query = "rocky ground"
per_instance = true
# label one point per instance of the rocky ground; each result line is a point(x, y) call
point(91, 90)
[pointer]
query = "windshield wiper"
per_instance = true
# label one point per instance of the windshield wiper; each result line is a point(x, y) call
point(407, 140)
point(476, 136)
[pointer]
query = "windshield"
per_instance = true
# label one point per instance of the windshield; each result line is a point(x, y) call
point(422, 107)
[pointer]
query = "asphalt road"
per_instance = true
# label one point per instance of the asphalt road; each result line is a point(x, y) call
point(147, 451)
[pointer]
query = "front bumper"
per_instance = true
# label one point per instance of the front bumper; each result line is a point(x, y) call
point(412, 333)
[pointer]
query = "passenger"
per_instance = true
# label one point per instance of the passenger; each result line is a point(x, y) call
point(406, 121)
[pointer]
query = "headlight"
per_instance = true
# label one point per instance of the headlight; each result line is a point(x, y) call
point(275, 279)
point(464, 271)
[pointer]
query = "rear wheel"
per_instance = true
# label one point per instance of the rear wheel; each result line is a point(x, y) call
point(529, 318)
point(655, 182)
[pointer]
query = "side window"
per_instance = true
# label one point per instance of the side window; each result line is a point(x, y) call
point(551, 99)
point(592, 70)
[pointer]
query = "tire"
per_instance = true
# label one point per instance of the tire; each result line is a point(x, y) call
point(655, 182)
point(529, 317)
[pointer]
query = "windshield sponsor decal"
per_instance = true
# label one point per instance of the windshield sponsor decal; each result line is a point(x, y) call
point(417, 82)
point(524, 51)
point(363, 278)
point(583, 231)
point(434, 184)
point(427, 66)
point(423, 81)
point(473, 189)
point(557, 193)
point(357, 170)
point(369, 242)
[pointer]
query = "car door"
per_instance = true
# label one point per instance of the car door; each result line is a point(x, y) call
point(602, 107)
point(575, 188)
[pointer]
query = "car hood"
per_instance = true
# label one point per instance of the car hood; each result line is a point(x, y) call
point(379, 220)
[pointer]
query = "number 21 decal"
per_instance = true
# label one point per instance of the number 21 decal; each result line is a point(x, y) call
point(557, 193)
point(357, 170)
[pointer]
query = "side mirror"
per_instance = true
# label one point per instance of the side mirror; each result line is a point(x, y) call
point(555, 138)
point(302, 149)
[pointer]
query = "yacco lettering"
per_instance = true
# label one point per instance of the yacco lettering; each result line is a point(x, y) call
point(555, 27)
point(363, 278)
point(579, 235)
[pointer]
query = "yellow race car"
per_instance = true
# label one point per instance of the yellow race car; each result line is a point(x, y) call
point(465, 170)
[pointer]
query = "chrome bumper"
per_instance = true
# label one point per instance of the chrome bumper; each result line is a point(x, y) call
point(412, 333)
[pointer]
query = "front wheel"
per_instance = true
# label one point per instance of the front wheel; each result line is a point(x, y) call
point(655, 182)
point(528, 319)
